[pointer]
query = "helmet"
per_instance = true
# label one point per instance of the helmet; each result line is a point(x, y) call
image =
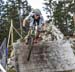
point(36, 12)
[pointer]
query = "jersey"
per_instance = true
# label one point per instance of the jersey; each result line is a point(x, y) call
point(32, 21)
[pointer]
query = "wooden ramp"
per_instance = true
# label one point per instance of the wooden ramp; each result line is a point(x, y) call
point(45, 57)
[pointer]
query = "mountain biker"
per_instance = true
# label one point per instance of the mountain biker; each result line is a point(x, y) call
point(33, 17)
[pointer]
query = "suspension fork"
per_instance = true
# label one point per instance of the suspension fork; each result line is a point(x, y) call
point(30, 44)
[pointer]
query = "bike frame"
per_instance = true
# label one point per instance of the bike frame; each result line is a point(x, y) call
point(31, 38)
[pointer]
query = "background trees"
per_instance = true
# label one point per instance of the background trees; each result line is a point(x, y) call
point(62, 14)
point(12, 9)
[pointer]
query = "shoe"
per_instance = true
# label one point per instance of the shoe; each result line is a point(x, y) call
point(40, 38)
point(35, 41)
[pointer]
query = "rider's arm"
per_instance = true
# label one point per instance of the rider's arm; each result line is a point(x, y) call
point(43, 23)
point(25, 21)
point(42, 20)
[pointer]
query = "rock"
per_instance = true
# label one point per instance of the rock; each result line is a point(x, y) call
point(58, 35)
point(46, 56)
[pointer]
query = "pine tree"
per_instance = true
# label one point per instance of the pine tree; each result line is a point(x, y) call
point(11, 10)
point(48, 7)
point(62, 11)
point(2, 31)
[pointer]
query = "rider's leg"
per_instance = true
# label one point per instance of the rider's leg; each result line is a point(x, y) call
point(38, 37)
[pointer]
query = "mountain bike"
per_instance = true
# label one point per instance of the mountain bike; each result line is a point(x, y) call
point(33, 32)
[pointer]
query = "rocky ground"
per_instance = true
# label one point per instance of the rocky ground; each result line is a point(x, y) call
point(46, 56)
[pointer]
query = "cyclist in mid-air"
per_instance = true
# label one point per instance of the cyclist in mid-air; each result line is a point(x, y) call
point(34, 17)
